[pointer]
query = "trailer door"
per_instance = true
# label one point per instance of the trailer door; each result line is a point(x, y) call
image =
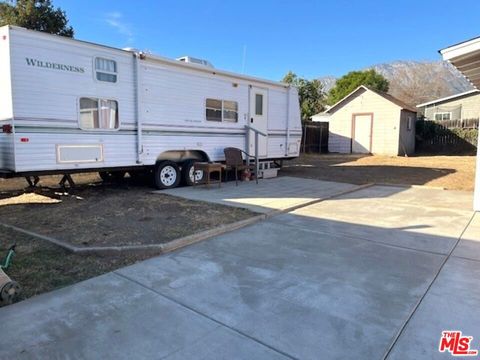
point(258, 119)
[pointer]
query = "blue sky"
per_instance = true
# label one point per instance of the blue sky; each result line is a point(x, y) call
point(311, 38)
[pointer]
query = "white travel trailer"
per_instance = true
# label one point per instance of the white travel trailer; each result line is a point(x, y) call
point(71, 106)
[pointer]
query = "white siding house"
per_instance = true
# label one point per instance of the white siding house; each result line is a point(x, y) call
point(463, 106)
point(366, 121)
point(466, 58)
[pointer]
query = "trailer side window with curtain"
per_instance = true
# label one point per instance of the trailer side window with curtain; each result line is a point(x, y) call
point(214, 110)
point(221, 110)
point(230, 111)
point(105, 70)
point(98, 114)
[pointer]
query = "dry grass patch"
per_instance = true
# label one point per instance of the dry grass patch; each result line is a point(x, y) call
point(113, 216)
point(40, 266)
point(449, 172)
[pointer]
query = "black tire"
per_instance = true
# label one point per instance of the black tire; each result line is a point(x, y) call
point(187, 173)
point(112, 176)
point(167, 175)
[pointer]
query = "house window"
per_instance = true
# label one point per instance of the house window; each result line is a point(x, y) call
point(221, 110)
point(409, 123)
point(439, 116)
point(98, 114)
point(106, 70)
point(258, 104)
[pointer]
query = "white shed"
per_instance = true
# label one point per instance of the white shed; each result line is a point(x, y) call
point(367, 121)
point(322, 117)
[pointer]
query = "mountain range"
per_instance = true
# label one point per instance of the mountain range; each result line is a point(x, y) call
point(415, 82)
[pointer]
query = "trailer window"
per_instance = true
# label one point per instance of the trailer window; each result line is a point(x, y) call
point(221, 110)
point(98, 114)
point(258, 104)
point(106, 70)
point(230, 111)
point(214, 110)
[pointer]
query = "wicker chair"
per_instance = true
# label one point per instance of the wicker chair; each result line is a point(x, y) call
point(234, 161)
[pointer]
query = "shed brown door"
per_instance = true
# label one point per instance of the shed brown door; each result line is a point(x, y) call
point(362, 133)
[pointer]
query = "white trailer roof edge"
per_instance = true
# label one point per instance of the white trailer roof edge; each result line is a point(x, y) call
point(157, 58)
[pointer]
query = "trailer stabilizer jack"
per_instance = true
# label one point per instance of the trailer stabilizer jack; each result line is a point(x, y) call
point(32, 180)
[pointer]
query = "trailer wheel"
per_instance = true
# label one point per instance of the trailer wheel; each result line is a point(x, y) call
point(167, 175)
point(112, 176)
point(187, 173)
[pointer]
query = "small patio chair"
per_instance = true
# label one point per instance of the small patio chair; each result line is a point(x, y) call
point(234, 161)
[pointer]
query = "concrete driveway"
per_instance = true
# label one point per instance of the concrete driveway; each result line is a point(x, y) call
point(377, 273)
point(266, 197)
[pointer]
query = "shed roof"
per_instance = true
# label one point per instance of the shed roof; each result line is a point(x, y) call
point(451, 97)
point(364, 88)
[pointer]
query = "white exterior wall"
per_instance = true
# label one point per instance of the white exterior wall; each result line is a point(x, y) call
point(171, 108)
point(46, 102)
point(6, 140)
point(386, 122)
point(5, 80)
point(470, 105)
point(476, 196)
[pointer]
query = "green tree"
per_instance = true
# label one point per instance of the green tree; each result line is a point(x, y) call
point(346, 84)
point(310, 94)
point(36, 15)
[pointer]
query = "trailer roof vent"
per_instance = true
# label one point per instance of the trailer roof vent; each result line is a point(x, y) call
point(192, 60)
point(131, 49)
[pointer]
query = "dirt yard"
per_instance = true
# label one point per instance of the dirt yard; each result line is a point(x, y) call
point(7, 185)
point(94, 214)
point(114, 215)
point(449, 172)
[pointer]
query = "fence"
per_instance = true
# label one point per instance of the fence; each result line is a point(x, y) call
point(314, 137)
point(462, 124)
point(443, 137)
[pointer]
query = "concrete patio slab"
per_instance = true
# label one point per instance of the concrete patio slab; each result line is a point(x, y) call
point(469, 245)
point(297, 291)
point(359, 274)
point(265, 197)
point(109, 317)
point(424, 196)
point(376, 214)
point(451, 304)
point(226, 344)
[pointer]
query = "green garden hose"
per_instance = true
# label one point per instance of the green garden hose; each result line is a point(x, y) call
point(8, 258)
